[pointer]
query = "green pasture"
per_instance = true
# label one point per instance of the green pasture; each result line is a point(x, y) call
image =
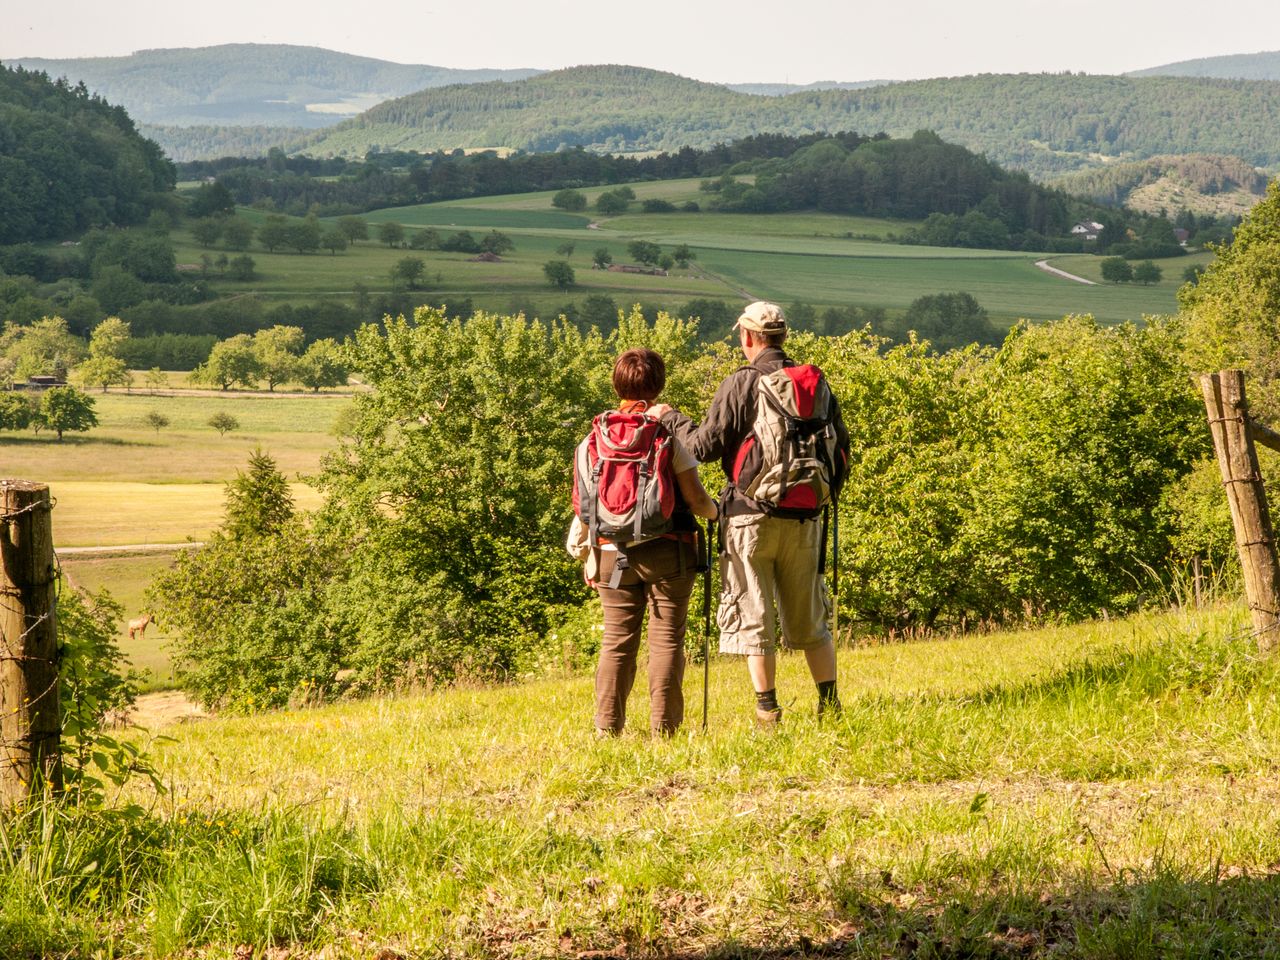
point(493, 286)
point(1009, 287)
point(108, 513)
point(122, 483)
point(1090, 267)
point(445, 215)
point(126, 577)
point(294, 430)
point(1094, 791)
point(825, 259)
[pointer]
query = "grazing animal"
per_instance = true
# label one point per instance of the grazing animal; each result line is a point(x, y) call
point(138, 627)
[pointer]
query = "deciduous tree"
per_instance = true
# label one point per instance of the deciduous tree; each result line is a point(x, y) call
point(207, 230)
point(323, 365)
point(224, 423)
point(103, 372)
point(569, 199)
point(156, 421)
point(231, 361)
point(559, 274)
point(354, 228)
point(16, 411)
point(1117, 270)
point(334, 240)
point(274, 232)
point(276, 349)
point(390, 233)
point(237, 233)
point(66, 408)
point(644, 251)
point(408, 272)
point(1147, 272)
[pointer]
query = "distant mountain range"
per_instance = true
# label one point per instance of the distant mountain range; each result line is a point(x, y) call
point(782, 89)
point(1240, 66)
point(248, 84)
point(247, 98)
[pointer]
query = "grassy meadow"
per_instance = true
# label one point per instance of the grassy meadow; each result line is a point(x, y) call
point(123, 483)
point(823, 259)
point(1102, 790)
point(126, 576)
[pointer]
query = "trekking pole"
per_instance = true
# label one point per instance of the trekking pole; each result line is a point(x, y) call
point(706, 622)
point(835, 570)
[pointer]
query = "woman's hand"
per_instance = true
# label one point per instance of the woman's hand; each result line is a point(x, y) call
point(696, 496)
point(659, 410)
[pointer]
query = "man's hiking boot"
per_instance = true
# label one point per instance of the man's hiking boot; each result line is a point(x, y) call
point(829, 708)
point(768, 719)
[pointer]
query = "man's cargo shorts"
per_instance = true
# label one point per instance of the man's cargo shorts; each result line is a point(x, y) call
point(768, 563)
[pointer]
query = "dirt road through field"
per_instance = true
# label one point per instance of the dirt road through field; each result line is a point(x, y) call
point(1044, 265)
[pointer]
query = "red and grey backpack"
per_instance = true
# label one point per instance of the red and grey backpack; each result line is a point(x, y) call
point(791, 462)
point(624, 485)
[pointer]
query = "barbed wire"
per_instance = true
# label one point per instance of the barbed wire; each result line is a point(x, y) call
point(30, 740)
point(29, 508)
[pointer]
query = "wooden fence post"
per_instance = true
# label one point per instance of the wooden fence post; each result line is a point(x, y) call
point(1233, 441)
point(30, 725)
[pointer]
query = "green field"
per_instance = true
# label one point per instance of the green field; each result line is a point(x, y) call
point(123, 449)
point(126, 576)
point(123, 483)
point(1099, 791)
point(823, 259)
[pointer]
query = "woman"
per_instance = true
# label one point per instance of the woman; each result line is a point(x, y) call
point(659, 575)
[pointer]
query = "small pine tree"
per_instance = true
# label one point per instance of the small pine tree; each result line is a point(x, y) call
point(258, 500)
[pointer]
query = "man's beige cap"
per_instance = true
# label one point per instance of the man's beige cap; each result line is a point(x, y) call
point(762, 317)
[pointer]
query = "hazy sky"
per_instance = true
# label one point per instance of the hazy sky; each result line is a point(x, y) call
point(795, 40)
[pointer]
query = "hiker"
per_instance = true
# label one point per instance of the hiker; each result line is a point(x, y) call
point(636, 492)
point(774, 521)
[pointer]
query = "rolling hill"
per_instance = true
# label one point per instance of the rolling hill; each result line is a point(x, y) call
point(1240, 66)
point(1043, 123)
point(252, 83)
point(70, 161)
point(1200, 183)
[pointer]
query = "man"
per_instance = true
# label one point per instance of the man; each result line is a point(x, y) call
point(768, 559)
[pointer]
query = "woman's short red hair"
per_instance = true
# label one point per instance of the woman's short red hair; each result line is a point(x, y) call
point(639, 374)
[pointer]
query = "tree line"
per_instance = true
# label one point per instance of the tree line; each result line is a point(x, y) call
point(335, 186)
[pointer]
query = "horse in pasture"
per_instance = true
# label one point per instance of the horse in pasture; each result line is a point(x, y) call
point(138, 627)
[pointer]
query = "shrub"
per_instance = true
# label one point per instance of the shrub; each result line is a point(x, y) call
point(248, 606)
point(570, 200)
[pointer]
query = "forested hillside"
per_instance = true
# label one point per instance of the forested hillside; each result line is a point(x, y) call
point(1042, 123)
point(184, 144)
point(249, 84)
point(1239, 66)
point(782, 89)
point(69, 160)
point(1201, 183)
point(909, 178)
